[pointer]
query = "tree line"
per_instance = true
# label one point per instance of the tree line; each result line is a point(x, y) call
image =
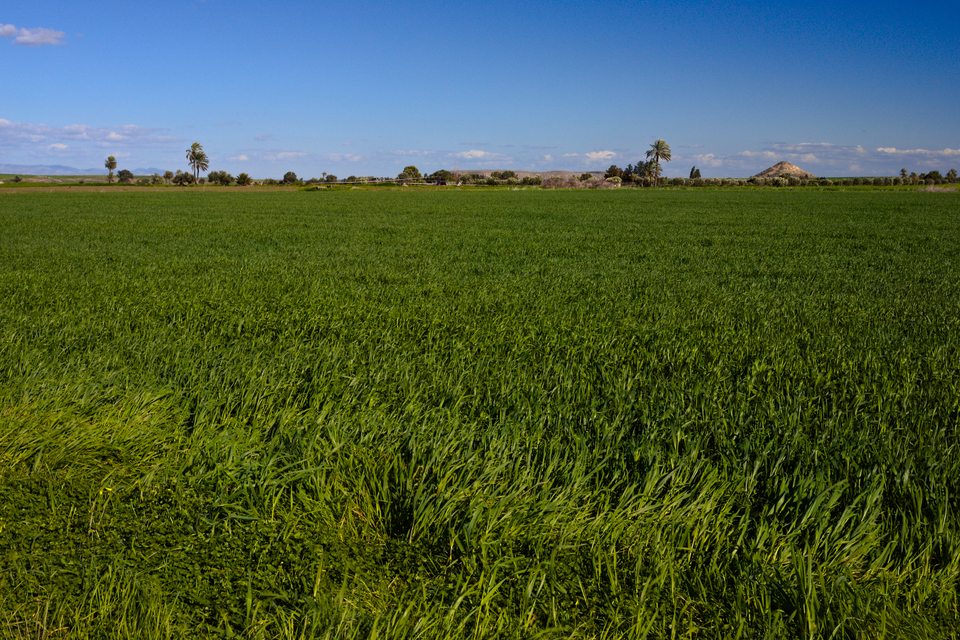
point(646, 172)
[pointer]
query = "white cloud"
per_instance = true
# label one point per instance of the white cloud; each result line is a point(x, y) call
point(31, 37)
point(17, 135)
point(412, 152)
point(483, 158)
point(570, 155)
point(945, 153)
point(343, 157)
point(548, 158)
point(58, 146)
point(708, 159)
point(287, 155)
point(600, 155)
point(765, 155)
point(474, 154)
point(239, 158)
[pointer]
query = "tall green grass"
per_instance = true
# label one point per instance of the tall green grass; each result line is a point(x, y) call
point(492, 414)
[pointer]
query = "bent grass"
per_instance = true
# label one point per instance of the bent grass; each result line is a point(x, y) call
point(491, 414)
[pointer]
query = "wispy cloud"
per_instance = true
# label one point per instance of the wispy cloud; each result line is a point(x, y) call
point(32, 136)
point(708, 159)
point(479, 158)
point(274, 156)
point(343, 157)
point(282, 156)
point(474, 154)
point(932, 153)
point(410, 152)
point(31, 37)
point(600, 155)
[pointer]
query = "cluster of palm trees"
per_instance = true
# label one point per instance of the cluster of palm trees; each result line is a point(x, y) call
point(659, 151)
point(197, 159)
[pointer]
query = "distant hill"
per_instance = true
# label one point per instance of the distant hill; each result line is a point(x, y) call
point(61, 170)
point(784, 169)
point(42, 170)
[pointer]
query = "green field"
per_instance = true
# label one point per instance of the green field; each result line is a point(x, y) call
point(517, 414)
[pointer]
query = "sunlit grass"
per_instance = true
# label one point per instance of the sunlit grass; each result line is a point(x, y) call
point(492, 414)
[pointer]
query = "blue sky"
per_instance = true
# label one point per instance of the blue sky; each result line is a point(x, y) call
point(362, 88)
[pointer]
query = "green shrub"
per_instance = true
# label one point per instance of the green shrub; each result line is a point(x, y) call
point(183, 178)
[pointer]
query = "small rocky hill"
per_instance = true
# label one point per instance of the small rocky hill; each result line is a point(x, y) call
point(785, 169)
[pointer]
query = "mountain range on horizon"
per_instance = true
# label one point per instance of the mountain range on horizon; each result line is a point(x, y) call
point(61, 170)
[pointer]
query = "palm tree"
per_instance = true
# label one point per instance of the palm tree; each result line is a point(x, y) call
point(659, 151)
point(202, 164)
point(110, 164)
point(197, 159)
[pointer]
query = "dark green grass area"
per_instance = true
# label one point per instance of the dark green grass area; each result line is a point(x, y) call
point(516, 414)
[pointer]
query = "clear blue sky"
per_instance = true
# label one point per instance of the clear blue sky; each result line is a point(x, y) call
point(363, 88)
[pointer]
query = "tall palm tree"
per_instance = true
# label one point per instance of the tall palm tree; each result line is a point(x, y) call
point(197, 159)
point(659, 151)
point(110, 164)
point(202, 164)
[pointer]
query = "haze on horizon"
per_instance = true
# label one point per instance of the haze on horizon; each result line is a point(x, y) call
point(366, 89)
